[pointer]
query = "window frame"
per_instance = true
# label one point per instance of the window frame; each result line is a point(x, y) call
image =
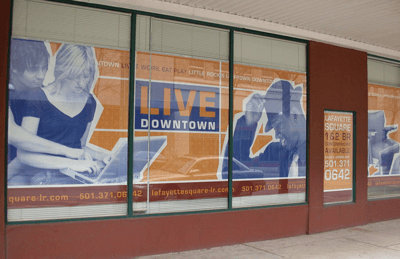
point(132, 75)
point(385, 61)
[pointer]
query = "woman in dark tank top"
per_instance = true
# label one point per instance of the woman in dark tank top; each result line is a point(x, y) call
point(62, 112)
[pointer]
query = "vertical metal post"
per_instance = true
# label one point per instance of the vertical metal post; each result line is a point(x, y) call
point(230, 139)
point(149, 129)
point(307, 124)
point(131, 114)
point(6, 116)
point(355, 156)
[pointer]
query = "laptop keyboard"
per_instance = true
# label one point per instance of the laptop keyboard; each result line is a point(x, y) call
point(89, 175)
point(118, 167)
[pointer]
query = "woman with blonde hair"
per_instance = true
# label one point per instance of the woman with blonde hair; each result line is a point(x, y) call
point(63, 111)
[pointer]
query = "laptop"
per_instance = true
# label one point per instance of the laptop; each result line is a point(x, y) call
point(145, 152)
point(117, 168)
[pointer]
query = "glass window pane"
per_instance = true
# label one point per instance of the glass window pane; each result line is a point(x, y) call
point(383, 73)
point(74, 24)
point(269, 123)
point(269, 52)
point(68, 117)
point(383, 134)
point(181, 117)
point(180, 38)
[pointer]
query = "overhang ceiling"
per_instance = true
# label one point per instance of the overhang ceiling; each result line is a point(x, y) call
point(375, 22)
point(368, 25)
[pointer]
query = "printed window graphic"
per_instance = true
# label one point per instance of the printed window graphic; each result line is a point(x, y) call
point(68, 128)
point(279, 114)
point(383, 141)
point(185, 101)
point(68, 107)
point(381, 148)
point(269, 135)
point(338, 156)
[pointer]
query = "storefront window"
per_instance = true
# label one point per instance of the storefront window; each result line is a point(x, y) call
point(383, 134)
point(69, 101)
point(181, 115)
point(269, 139)
point(68, 112)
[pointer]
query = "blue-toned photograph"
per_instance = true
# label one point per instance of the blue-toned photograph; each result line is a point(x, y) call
point(280, 111)
point(383, 152)
point(49, 124)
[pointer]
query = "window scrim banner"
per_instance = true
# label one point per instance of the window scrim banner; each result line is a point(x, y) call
point(68, 127)
point(68, 124)
point(181, 129)
point(383, 136)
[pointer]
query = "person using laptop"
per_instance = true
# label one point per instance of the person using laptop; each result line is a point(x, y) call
point(62, 112)
point(28, 67)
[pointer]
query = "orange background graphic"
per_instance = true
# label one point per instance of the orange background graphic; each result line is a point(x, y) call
point(336, 176)
point(212, 73)
point(112, 90)
point(387, 99)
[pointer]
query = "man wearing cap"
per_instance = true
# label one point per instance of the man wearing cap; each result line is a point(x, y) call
point(285, 116)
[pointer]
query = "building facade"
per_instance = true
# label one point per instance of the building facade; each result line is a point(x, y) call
point(130, 132)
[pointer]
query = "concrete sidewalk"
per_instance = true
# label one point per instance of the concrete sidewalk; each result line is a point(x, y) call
point(376, 240)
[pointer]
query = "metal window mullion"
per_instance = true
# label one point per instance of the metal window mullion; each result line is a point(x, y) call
point(355, 157)
point(307, 125)
point(149, 118)
point(230, 137)
point(131, 114)
point(5, 209)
